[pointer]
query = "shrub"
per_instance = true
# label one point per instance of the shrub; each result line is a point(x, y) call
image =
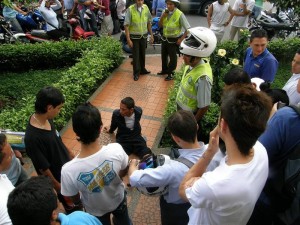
point(76, 84)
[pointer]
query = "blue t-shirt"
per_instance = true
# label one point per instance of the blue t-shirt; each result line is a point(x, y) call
point(280, 137)
point(78, 218)
point(263, 66)
point(9, 12)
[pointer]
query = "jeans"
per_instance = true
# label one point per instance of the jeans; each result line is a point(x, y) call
point(92, 22)
point(120, 215)
point(15, 24)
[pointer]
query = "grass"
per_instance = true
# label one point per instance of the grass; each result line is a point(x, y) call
point(15, 86)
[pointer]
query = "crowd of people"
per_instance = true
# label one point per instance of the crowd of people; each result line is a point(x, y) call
point(224, 185)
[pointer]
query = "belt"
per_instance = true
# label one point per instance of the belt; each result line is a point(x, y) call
point(138, 36)
point(170, 40)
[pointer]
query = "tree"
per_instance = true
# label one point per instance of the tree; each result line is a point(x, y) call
point(285, 4)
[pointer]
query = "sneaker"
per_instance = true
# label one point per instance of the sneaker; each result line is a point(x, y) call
point(86, 17)
point(88, 11)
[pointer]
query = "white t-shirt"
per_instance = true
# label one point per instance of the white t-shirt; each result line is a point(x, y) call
point(219, 14)
point(291, 89)
point(129, 121)
point(227, 195)
point(5, 188)
point(241, 21)
point(97, 179)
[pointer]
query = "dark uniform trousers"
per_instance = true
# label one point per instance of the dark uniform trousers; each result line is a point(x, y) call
point(139, 54)
point(169, 50)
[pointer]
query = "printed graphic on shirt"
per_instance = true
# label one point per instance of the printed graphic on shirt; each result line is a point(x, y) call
point(96, 179)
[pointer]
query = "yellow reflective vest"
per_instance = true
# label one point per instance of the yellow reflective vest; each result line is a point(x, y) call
point(172, 26)
point(187, 93)
point(138, 24)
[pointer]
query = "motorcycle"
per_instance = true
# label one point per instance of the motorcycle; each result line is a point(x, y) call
point(7, 36)
point(274, 27)
point(33, 20)
point(76, 33)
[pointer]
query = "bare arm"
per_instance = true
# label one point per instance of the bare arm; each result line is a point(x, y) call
point(298, 86)
point(200, 113)
point(55, 182)
point(200, 167)
point(149, 27)
point(209, 14)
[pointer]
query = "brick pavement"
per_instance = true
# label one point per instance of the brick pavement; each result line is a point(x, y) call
point(151, 93)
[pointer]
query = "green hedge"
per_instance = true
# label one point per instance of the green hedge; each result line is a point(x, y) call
point(46, 55)
point(77, 83)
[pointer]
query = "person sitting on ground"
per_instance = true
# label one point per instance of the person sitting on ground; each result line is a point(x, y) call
point(35, 202)
point(227, 194)
point(292, 86)
point(10, 164)
point(96, 171)
point(127, 121)
point(52, 23)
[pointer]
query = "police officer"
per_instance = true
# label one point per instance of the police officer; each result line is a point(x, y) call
point(173, 21)
point(194, 93)
point(137, 24)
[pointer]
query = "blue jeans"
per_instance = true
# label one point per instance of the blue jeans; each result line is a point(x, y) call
point(15, 24)
point(92, 22)
point(120, 215)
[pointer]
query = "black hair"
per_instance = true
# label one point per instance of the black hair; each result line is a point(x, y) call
point(246, 112)
point(258, 33)
point(3, 139)
point(48, 96)
point(236, 76)
point(87, 123)
point(129, 102)
point(276, 94)
point(183, 125)
point(32, 202)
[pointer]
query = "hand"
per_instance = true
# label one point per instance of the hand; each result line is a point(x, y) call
point(214, 140)
point(151, 39)
point(106, 129)
point(133, 166)
point(179, 41)
point(226, 23)
point(130, 44)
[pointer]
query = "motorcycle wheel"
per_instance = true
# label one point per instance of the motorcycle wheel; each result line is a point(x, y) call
point(19, 40)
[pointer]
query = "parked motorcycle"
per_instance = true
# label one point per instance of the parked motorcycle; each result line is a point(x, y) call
point(76, 33)
point(33, 20)
point(274, 27)
point(7, 36)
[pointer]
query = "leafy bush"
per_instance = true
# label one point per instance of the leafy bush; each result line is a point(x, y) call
point(46, 55)
point(76, 84)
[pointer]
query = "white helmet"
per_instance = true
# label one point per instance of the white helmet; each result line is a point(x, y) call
point(175, 1)
point(153, 161)
point(200, 43)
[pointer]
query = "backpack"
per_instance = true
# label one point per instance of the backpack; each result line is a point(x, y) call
point(285, 189)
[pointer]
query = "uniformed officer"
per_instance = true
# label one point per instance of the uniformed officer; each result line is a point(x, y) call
point(137, 25)
point(173, 21)
point(194, 93)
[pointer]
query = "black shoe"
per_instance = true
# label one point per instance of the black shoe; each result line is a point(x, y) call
point(169, 77)
point(135, 77)
point(130, 56)
point(162, 72)
point(145, 72)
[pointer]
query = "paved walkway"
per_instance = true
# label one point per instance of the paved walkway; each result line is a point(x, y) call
point(151, 93)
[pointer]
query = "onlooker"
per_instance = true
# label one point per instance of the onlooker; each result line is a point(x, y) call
point(236, 76)
point(10, 12)
point(242, 10)
point(158, 7)
point(280, 138)
point(10, 165)
point(68, 6)
point(269, 7)
point(137, 26)
point(227, 194)
point(5, 188)
point(216, 16)
point(194, 93)
point(173, 21)
point(43, 143)
point(258, 61)
point(96, 171)
point(35, 202)
point(52, 23)
point(127, 121)
point(257, 8)
point(292, 86)
point(173, 210)
point(121, 9)
point(107, 25)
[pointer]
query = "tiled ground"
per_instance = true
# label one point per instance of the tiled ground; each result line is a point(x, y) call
point(150, 92)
